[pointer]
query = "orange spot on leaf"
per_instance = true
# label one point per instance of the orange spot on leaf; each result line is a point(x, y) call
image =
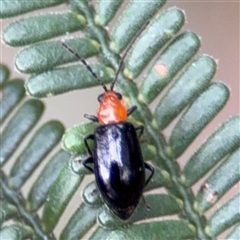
point(161, 69)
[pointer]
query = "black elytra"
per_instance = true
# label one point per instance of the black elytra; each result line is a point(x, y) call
point(119, 167)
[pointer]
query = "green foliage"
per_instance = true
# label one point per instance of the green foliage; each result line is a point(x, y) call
point(190, 93)
point(18, 116)
point(31, 30)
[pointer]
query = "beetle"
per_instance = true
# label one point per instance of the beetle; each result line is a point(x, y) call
point(119, 167)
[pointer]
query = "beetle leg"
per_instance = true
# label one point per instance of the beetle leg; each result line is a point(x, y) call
point(131, 110)
point(144, 201)
point(91, 117)
point(87, 161)
point(90, 159)
point(140, 128)
point(151, 169)
point(89, 137)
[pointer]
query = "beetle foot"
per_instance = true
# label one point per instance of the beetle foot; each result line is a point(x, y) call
point(148, 207)
point(94, 191)
point(145, 203)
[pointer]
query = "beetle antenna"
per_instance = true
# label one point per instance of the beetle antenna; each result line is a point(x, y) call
point(126, 52)
point(85, 64)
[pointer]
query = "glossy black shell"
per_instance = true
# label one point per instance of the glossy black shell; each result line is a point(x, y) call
point(119, 167)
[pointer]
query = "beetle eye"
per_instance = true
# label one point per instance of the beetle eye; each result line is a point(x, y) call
point(100, 97)
point(119, 95)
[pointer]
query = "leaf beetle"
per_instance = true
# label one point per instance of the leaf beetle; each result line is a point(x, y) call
point(119, 167)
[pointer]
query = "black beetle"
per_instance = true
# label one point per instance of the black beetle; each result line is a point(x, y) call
point(119, 167)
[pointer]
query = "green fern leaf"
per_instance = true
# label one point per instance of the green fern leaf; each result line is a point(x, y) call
point(19, 116)
point(191, 99)
point(8, 211)
point(9, 9)
point(16, 231)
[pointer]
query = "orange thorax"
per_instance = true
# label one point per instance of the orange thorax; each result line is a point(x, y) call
point(111, 109)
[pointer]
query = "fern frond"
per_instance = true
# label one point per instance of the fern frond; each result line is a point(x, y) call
point(18, 117)
point(191, 99)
